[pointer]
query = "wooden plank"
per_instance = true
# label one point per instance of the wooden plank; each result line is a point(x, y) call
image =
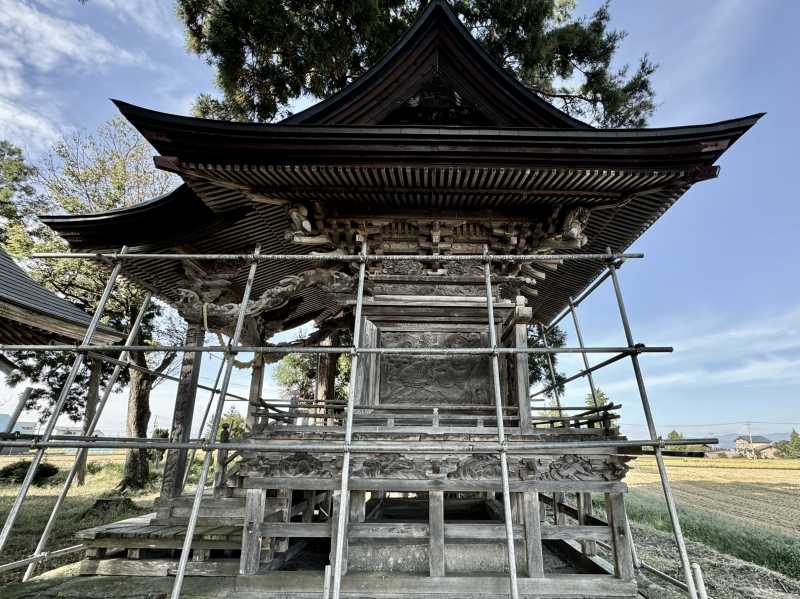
point(251, 536)
point(436, 533)
point(295, 529)
point(358, 501)
point(533, 535)
point(584, 513)
point(373, 585)
point(623, 560)
point(447, 485)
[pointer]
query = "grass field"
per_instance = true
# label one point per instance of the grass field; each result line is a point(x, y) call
point(747, 509)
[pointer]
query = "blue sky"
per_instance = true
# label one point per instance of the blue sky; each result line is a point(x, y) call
point(719, 282)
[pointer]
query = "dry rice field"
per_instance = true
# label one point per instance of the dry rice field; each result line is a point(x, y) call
point(763, 493)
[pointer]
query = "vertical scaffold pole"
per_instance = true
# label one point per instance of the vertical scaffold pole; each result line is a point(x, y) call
point(662, 470)
point(501, 433)
point(201, 483)
point(23, 399)
point(579, 335)
point(190, 459)
point(556, 394)
point(59, 405)
point(344, 506)
point(48, 529)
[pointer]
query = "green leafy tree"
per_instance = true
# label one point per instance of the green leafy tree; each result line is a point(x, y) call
point(16, 188)
point(268, 53)
point(602, 398)
point(791, 448)
point(539, 364)
point(235, 423)
point(86, 173)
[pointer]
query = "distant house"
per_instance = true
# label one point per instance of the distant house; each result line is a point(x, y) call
point(715, 451)
point(756, 447)
point(21, 427)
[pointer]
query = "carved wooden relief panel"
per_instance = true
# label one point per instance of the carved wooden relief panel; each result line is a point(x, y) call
point(451, 379)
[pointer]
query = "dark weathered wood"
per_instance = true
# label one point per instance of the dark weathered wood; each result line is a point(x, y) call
point(333, 524)
point(584, 507)
point(623, 559)
point(251, 536)
point(254, 395)
point(533, 535)
point(175, 464)
point(436, 533)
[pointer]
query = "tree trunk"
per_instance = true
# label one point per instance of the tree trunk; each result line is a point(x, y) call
point(92, 397)
point(136, 473)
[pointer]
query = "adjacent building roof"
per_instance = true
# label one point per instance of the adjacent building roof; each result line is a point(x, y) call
point(29, 313)
point(754, 439)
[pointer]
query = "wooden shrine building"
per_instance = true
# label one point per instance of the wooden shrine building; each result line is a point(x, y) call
point(436, 153)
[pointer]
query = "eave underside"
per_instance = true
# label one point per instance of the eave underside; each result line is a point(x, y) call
point(626, 203)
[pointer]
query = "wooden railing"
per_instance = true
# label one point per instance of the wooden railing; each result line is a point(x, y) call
point(308, 413)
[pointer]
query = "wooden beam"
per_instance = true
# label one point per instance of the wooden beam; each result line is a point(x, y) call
point(251, 536)
point(533, 535)
point(436, 533)
point(623, 559)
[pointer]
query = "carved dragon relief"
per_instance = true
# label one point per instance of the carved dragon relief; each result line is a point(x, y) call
point(201, 297)
point(476, 467)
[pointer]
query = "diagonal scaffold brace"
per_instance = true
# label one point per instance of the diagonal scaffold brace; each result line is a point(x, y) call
point(77, 363)
point(662, 470)
point(201, 482)
point(48, 529)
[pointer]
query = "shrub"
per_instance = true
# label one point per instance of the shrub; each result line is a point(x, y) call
point(15, 472)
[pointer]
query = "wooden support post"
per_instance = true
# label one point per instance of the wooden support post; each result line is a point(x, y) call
point(522, 318)
point(336, 508)
point(584, 512)
point(308, 512)
point(175, 465)
point(559, 517)
point(623, 561)
point(256, 386)
point(533, 533)
point(436, 536)
point(517, 508)
point(358, 502)
point(326, 380)
point(285, 495)
point(254, 507)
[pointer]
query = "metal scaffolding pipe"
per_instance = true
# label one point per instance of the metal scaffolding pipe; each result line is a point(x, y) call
point(433, 351)
point(201, 483)
point(59, 405)
point(203, 422)
point(579, 335)
point(662, 470)
point(344, 496)
point(554, 381)
point(582, 373)
point(104, 256)
point(51, 521)
point(162, 375)
point(378, 446)
point(501, 436)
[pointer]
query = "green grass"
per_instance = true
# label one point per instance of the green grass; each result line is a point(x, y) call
point(74, 516)
point(758, 545)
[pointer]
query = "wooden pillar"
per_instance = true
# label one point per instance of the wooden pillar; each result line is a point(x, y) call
point(559, 517)
point(522, 318)
point(175, 465)
point(623, 559)
point(308, 510)
point(254, 509)
point(584, 512)
point(336, 506)
point(285, 497)
point(436, 556)
point(256, 386)
point(326, 378)
point(533, 534)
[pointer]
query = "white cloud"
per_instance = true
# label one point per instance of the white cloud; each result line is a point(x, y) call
point(36, 44)
point(155, 17)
